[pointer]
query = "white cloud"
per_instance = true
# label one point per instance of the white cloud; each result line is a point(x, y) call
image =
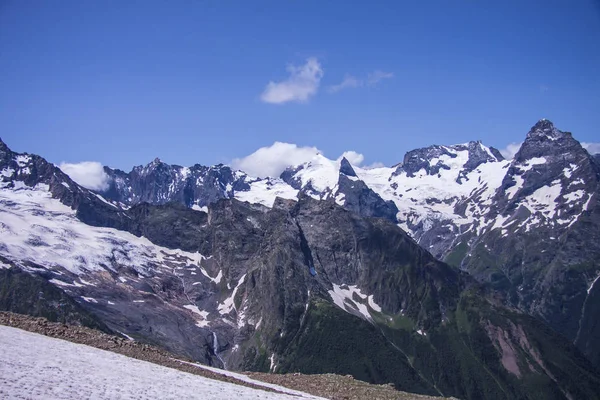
point(348, 82)
point(509, 151)
point(377, 76)
point(274, 159)
point(592, 148)
point(351, 82)
point(302, 84)
point(89, 174)
point(353, 157)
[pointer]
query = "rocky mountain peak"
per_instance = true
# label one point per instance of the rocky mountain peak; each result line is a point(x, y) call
point(478, 154)
point(543, 124)
point(424, 158)
point(549, 185)
point(545, 140)
point(496, 153)
point(3, 145)
point(464, 157)
point(161, 183)
point(150, 167)
point(5, 152)
point(545, 129)
point(346, 168)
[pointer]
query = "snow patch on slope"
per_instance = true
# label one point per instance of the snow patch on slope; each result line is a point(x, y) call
point(350, 299)
point(423, 198)
point(37, 228)
point(531, 163)
point(544, 199)
point(264, 191)
point(228, 304)
point(202, 313)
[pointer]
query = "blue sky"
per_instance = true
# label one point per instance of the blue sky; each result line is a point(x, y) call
point(189, 81)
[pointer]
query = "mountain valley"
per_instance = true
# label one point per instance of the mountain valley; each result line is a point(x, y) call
point(455, 273)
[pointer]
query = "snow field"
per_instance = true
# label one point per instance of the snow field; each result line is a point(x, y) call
point(34, 366)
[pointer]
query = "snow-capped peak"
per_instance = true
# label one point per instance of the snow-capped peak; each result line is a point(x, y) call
point(320, 174)
point(545, 129)
point(459, 157)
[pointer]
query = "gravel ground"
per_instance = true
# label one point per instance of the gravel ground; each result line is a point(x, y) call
point(335, 387)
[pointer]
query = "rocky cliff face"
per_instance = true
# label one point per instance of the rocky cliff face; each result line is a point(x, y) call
point(160, 183)
point(354, 195)
point(304, 285)
point(528, 226)
point(540, 244)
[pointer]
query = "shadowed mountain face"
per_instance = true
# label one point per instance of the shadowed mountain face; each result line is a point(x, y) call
point(528, 226)
point(304, 285)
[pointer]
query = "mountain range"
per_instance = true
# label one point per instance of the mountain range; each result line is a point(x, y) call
point(456, 272)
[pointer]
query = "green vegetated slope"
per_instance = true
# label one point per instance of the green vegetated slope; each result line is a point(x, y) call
point(438, 333)
point(459, 358)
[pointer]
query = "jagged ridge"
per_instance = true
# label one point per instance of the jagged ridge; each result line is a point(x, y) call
point(241, 289)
